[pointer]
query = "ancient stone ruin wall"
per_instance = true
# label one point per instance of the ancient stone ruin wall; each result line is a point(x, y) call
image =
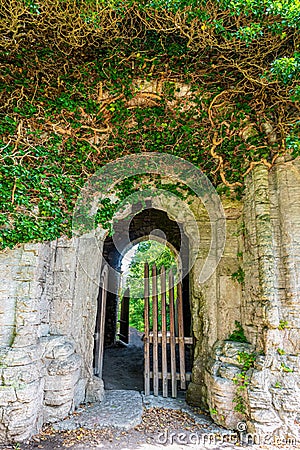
point(47, 311)
point(216, 304)
point(48, 303)
point(270, 311)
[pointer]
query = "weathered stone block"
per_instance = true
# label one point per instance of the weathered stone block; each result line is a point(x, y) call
point(65, 259)
point(62, 382)
point(228, 371)
point(268, 418)
point(65, 366)
point(260, 399)
point(56, 347)
point(63, 351)
point(25, 273)
point(221, 393)
point(22, 356)
point(29, 258)
point(231, 349)
point(58, 398)
point(54, 413)
point(80, 390)
point(196, 395)
point(290, 401)
point(7, 395)
point(95, 390)
point(260, 379)
point(24, 374)
point(22, 416)
point(27, 393)
point(26, 335)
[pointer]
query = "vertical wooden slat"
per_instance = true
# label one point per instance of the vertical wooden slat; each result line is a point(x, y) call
point(176, 311)
point(97, 333)
point(102, 319)
point(146, 337)
point(181, 337)
point(124, 317)
point(164, 362)
point(172, 335)
point(155, 329)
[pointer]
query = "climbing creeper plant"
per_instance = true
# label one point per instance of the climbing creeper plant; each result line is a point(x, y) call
point(247, 361)
point(216, 83)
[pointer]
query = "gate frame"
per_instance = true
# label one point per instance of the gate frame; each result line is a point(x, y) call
point(100, 323)
point(163, 336)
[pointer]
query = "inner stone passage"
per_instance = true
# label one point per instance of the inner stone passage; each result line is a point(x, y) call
point(123, 365)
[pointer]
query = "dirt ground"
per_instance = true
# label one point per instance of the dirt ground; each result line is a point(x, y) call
point(160, 428)
point(123, 366)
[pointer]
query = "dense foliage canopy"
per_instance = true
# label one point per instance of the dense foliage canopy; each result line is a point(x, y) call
point(71, 73)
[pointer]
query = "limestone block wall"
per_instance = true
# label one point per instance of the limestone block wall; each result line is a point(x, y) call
point(71, 293)
point(21, 371)
point(48, 308)
point(216, 304)
point(269, 309)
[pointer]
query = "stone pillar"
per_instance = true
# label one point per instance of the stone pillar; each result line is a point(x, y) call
point(64, 389)
point(22, 383)
point(215, 303)
point(273, 391)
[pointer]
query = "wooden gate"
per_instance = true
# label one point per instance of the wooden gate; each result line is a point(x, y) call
point(161, 340)
point(100, 324)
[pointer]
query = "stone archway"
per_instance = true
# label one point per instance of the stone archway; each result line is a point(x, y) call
point(140, 226)
point(141, 223)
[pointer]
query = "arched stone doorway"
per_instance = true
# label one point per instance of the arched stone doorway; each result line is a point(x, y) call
point(143, 223)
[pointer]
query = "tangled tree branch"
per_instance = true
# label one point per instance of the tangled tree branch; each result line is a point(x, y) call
point(82, 83)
